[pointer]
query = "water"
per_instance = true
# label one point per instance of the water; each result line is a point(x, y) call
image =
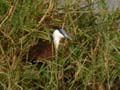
point(111, 4)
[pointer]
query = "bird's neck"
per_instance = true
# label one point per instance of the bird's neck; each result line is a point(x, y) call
point(56, 42)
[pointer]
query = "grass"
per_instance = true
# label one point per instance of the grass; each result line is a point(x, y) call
point(91, 61)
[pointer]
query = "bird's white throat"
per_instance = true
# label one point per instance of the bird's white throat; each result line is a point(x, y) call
point(57, 36)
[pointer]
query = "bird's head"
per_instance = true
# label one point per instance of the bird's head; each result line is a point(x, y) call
point(58, 34)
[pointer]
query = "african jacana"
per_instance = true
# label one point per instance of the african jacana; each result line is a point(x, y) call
point(43, 49)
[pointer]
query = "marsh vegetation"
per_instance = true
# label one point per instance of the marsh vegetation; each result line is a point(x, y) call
point(91, 61)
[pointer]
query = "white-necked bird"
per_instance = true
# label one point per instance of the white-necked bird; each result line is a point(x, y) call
point(43, 49)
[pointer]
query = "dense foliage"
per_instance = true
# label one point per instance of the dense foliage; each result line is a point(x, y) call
point(91, 61)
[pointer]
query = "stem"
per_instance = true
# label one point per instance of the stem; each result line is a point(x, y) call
point(56, 68)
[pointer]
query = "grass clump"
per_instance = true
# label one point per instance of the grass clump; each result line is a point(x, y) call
point(90, 62)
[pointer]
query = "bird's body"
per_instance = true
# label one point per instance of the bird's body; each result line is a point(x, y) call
point(44, 48)
point(41, 50)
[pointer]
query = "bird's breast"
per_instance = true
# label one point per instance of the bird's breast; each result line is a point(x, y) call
point(40, 51)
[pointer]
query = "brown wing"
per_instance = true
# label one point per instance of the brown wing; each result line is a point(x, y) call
point(43, 49)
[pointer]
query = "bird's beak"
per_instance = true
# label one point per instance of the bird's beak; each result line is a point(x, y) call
point(65, 34)
point(68, 37)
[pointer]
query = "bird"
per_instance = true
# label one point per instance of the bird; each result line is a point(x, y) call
point(45, 49)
